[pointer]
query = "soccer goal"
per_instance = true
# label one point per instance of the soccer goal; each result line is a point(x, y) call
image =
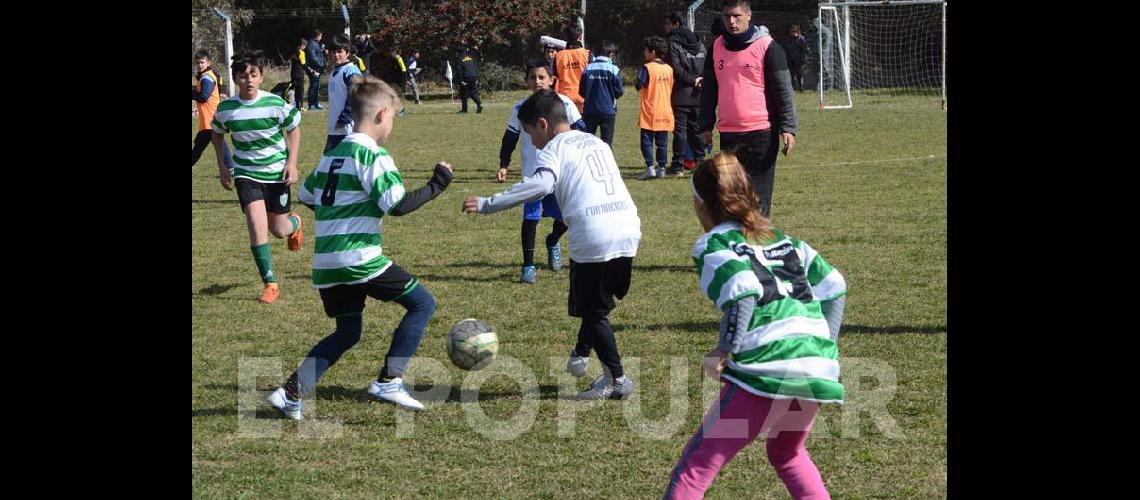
point(876, 51)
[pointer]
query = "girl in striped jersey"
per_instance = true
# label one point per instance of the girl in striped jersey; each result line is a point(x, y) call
point(781, 307)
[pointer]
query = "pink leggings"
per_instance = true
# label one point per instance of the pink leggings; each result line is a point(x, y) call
point(742, 417)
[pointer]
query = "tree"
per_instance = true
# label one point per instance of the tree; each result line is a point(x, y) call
point(505, 30)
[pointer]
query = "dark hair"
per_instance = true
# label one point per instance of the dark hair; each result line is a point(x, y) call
point(537, 62)
point(317, 33)
point(201, 54)
point(304, 41)
point(675, 17)
point(339, 42)
point(244, 60)
point(608, 48)
point(573, 33)
point(657, 45)
point(728, 4)
point(543, 104)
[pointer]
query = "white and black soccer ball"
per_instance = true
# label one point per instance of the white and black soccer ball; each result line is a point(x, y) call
point(472, 344)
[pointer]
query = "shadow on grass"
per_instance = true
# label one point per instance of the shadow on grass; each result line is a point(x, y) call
point(861, 329)
point(213, 290)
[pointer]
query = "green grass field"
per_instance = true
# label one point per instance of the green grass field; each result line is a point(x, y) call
point(866, 187)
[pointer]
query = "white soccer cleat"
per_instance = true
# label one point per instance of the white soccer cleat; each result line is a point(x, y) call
point(291, 409)
point(394, 392)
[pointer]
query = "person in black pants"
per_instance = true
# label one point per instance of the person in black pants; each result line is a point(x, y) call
point(601, 87)
point(757, 115)
point(297, 74)
point(315, 64)
point(687, 57)
point(469, 81)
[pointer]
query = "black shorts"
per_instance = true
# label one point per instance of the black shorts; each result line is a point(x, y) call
point(594, 285)
point(341, 300)
point(276, 195)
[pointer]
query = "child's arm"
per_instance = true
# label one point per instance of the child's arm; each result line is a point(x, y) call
point(510, 140)
point(207, 89)
point(575, 118)
point(219, 146)
point(619, 86)
point(586, 84)
point(528, 189)
point(439, 181)
point(642, 78)
point(293, 144)
point(736, 319)
point(827, 286)
point(833, 313)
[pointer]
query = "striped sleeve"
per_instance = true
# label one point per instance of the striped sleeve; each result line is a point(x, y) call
point(826, 281)
point(218, 125)
point(382, 181)
point(291, 118)
point(726, 277)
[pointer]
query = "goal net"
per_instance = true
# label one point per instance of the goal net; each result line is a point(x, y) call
point(876, 52)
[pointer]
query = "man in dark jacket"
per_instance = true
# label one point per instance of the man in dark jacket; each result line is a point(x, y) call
point(751, 121)
point(315, 63)
point(469, 80)
point(687, 57)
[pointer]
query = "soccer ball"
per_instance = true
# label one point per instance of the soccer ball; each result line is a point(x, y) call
point(472, 344)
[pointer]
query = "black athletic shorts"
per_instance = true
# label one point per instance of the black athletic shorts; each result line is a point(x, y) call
point(594, 285)
point(276, 195)
point(341, 300)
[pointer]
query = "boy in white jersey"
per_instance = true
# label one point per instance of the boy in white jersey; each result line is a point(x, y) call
point(355, 185)
point(538, 79)
point(340, 110)
point(604, 230)
point(267, 139)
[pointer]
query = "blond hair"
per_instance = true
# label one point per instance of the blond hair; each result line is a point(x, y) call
point(369, 94)
point(722, 185)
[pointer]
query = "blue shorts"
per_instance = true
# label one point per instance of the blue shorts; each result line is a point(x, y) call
point(546, 207)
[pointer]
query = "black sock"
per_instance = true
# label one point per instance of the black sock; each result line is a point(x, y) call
point(529, 228)
point(605, 344)
point(292, 389)
point(556, 232)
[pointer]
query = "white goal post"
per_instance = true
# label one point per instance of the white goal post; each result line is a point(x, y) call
point(877, 48)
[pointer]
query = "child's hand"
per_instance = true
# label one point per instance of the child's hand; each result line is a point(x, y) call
point(697, 82)
point(224, 176)
point(471, 204)
point(501, 175)
point(444, 164)
point(291, 175)
point(714, 363)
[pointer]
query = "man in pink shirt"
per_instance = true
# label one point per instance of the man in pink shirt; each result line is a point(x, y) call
point(746, 80)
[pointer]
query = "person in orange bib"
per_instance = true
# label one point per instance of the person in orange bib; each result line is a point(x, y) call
point(206, 97)
point(569, 64)
point(655, 83)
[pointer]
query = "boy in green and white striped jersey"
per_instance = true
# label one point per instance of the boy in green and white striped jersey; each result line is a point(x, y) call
point(781, 307)
point(267, 139)
point(353, 188)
